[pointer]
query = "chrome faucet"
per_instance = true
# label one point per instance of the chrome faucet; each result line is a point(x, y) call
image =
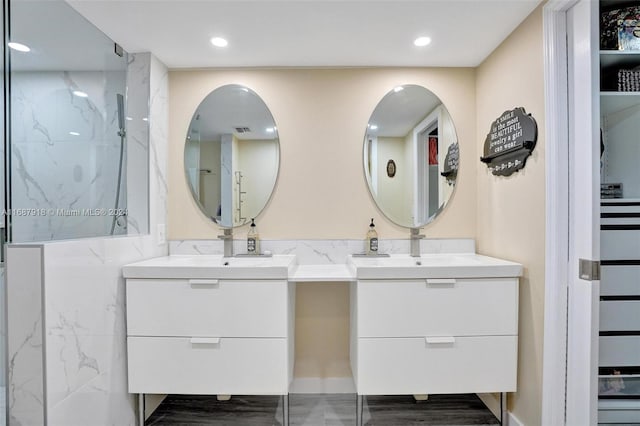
point(227, 238)
point(415, 242)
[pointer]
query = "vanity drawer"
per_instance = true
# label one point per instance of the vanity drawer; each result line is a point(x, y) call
point(437, 365)
point(619, 280)
point(202, 366)
point(452, 307)
point(619, 351)
point(222, 308)
point(620, 315)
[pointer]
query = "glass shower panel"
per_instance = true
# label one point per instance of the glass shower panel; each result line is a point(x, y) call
point(67, 150)
point(3, 324)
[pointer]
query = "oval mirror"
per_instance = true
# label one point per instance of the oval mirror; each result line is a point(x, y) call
point(232, 155)
point(411, 156)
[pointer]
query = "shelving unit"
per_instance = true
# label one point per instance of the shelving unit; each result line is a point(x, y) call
point(619, 353)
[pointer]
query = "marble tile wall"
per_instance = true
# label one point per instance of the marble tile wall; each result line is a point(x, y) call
point(25, 340)
point(3, 337)
point(85, 335)
point(158, 147)
point(137, 142)
point(65, 153)
point(82, 310)
point(319, 252)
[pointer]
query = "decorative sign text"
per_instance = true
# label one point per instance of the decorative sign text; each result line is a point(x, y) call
point(451, 163)
point(510, 141)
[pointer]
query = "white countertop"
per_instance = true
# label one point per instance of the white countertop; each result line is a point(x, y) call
point(212, 266)
point(323, 273)
point(453, 265)
point(460, 265)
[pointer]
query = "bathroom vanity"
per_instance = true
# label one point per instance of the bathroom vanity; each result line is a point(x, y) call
point(434, 324)
point(210, 325)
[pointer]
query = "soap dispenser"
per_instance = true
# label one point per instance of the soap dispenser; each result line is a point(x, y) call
point(253, 239)
point(372, 239)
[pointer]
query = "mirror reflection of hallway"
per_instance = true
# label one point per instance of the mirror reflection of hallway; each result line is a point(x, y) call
point(411, 129)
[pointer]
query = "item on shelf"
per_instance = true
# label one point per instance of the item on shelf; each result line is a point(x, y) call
point(629, 80)
point(610, 190)
point(629, 34)
point(609, 20)
point(611, 385)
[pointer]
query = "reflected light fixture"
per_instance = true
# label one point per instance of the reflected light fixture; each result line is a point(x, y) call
point(219, 42)
point(19, 46)
point(271, 129)
point(74, 133)
point(373, 126)
point(80, 94)
point(398, 89)
point(422, 41)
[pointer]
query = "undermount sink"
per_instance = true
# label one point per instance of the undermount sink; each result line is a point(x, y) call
point(458, 265)
point(212, 266)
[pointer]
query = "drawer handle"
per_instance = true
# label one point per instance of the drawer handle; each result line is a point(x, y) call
point(440, 340)
point(441, 281)
point(205, 340)
point(199, 283)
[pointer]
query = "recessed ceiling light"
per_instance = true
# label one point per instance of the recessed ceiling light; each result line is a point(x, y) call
point(373, 127)
point(219, 42)
point(398, 89)
point(422, 41)
point(80, 94)
point(74, 133)
point(19, 46)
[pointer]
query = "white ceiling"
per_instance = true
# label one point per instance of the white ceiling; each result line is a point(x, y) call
point(308, 33)
point(399, 112)
point(229, 107)
point(44, 27)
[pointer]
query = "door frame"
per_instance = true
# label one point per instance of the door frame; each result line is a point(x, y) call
point(559, 342)
point(421, 166)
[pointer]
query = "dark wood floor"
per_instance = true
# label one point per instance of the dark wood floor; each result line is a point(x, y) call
point(322, 410)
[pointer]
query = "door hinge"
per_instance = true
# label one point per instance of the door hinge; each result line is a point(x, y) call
point(589, 270)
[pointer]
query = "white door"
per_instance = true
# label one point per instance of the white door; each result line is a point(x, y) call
point(584, 213)
point(572, 311)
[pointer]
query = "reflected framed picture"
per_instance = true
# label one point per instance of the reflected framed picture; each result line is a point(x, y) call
point(391, 168)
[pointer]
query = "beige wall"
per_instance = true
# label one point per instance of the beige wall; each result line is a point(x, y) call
point(511, 210)
point(392, 192)
point(258, 162)
point(321, 117)
point(321, 192)
point(322, 330)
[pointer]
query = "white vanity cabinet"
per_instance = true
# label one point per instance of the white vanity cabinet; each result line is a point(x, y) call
point(198, 334)
point(435, 330)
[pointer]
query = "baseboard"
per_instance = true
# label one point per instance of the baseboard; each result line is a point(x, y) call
point(322, 385)
point(492, 402)
point(151, 402)
point(513, 420)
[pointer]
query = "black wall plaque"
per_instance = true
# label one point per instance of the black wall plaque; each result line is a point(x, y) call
point(510, 141)
point(451, 162)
